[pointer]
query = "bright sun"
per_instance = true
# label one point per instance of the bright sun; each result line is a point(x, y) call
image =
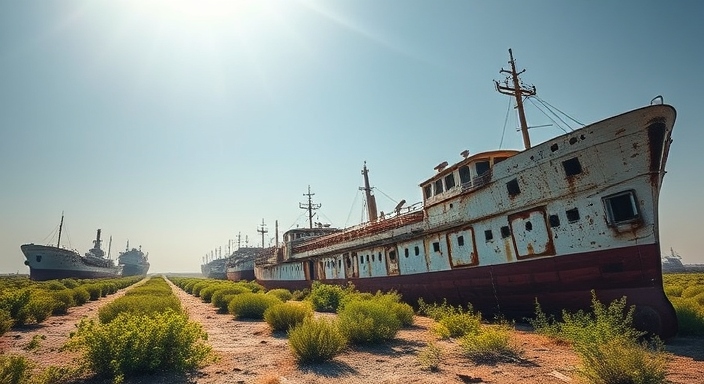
point(206, 11)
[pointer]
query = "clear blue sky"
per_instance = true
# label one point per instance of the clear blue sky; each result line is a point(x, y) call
point(177, 124)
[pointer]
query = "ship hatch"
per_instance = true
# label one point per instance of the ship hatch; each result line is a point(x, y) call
point(531, 235)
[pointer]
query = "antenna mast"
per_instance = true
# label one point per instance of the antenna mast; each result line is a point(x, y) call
point(263, 231)
point(310, 207)
point(371, 200)
point(517, 90)
point(61, 225)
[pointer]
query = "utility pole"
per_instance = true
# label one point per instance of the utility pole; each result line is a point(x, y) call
point(517, 89)
point(263, 230)
point(371, 200)
point(310, 206)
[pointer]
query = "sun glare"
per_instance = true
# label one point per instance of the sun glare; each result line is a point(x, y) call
point(205, 12)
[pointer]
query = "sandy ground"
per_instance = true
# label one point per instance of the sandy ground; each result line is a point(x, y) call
point(249, 353)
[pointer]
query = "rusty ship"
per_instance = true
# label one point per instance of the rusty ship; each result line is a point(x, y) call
point(503, 228)
point(240, 265)
point(47, 262)
point(133, 261)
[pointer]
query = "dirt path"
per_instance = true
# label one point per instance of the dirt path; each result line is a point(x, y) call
point(249, 353)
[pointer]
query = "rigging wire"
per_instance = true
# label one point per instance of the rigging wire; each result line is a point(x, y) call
point(387, 196)
point(557, 124)
point(566, 115)
point(351, 208)
point(503, 133)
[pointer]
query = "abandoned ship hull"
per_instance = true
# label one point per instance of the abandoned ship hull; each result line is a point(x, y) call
point(557, 283)
point(238, 275)
point(49, 263)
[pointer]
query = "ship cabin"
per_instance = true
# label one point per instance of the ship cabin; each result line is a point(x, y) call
point(297, 235)
point(471, 173)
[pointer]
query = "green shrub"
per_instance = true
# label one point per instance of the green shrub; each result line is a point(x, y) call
point(281, 317)
point(283, 294)
point(34, 343)
point(207, 293)
point(437, 311)
point(69, 283)
point(586, 328)
point(368, 321)
point(95, 291)
point(607, 344)
point(324, 297)
point(673, 290)
point(430, 357)
point(316, 340)
point(690, 317)
point(139, 344)
point(251, 305)
point(622, 361)
point(199, 286)
point(14, 369)
point(6, 321)
point(490, 344)
point(392, 300)
point(457, 324)
point(404, 313)
point(80, 295)
point(14, 303)
point(692, 290)
point(55, 374)
point(53, 285)
point(299, 294)
point(221, 297)
point(223, 302)
point(63, 300)
point(138, 304)
point(38, 309)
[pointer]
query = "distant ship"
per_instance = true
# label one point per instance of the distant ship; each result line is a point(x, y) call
point(240, 265)
point(501, 229)
point(133, 261)
point(47, 262)
point(214, 269)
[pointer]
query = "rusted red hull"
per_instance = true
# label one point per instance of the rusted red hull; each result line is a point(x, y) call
point(247, 275)
point(558, 283)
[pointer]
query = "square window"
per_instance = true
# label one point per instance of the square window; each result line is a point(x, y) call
point(554, 221)
point(436, 247)
point(464, 174)
point(572, 167)
point(513, 188)
point(428, 191)
point(505, 232)
point(449, 181)
point(621, 208)
point(438, 186)
point(460, 240)
point(488, 235)
point(572, 215)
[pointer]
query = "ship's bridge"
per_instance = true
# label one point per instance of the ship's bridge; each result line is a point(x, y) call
point(471, 173)
point(299, 234)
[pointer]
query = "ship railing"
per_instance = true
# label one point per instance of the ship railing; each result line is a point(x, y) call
point(477, 181)
point(361, 231)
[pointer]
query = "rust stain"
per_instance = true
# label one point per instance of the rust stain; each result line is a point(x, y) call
point(620, 131)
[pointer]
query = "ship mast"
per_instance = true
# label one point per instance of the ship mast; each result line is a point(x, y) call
point(517, 90)
point(310, 207)
point(61, 225)
point(263, 231)
point(371, 200)
point(109, 246)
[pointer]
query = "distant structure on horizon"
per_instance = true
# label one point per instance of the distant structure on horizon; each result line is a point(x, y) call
point(672, 263)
